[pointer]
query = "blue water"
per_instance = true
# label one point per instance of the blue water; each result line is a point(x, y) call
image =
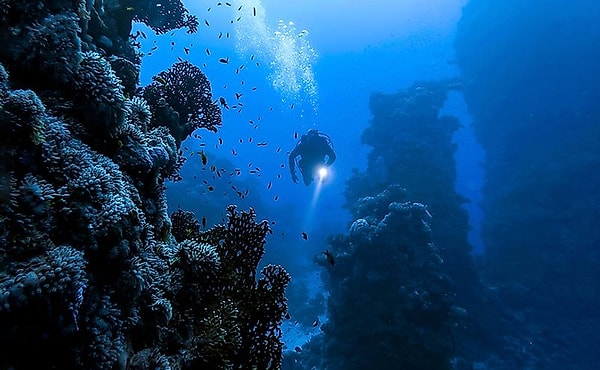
point(311, 65)
point(314, 64)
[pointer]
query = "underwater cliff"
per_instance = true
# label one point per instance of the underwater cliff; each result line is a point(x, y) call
point(95, 273)
point(532, 86)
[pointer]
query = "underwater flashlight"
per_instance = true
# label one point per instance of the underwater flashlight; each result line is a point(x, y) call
point(322, 173)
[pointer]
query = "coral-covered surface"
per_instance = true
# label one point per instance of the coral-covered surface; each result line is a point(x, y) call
point(412, 146)
point(94, 273)
point(390, 304)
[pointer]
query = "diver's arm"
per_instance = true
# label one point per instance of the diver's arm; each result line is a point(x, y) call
point(292, 164)
point(331, 156)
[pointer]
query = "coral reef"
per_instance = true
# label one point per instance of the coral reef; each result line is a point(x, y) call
point(94, 273)
point(179, 100)
point(390, 304)
point(412, 145)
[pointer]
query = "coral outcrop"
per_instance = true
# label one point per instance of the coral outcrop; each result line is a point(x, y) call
point(412, 145)
point(390, 304)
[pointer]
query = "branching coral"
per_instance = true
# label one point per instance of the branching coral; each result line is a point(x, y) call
point(22, 117)
point(180, 99)
point(98, 95)
point(185, 225)
point(164, 16)
point(53, 48)
point(259, 305)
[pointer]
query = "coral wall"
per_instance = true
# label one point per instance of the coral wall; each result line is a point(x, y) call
point(94, 273)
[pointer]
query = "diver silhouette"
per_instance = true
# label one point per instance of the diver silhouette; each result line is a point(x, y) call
point(313, 148)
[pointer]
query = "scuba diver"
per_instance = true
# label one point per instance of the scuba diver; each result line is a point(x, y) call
point(312, 148)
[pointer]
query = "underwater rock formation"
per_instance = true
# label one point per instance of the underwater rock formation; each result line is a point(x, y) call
point(412, 145)
point(390, 304)
point(533, 91)
point(94, 274)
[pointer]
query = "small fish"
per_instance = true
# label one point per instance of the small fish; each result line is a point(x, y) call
point(143, 34)
point(223, 102)
point(315, 323)
point(208, 10)
point(278, 150)
point(238, 19)
point(233, 152)
point(254, 11)
point(287, 316)
point(298, 349)
point(254, 88)
point(276, 198)
point(249, 139)
point(206, 23)
point(227, 35)
point(329, 257)
point(154, 48)
point(240, 8)
point(186, 50)
point(207, 51)
point(220, 141)
point(292, 106)
point(130, 8)
point(220, 34)
point(304, 235)
point(262, 144)
point(269, 185)
point(203, 156)
point(238, 95)
point(252, 57)
point(203, 221)
point(295, 135)
point(224, 60)
point(228, 4)
point(210, 188)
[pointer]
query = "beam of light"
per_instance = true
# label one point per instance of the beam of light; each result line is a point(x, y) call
point(321, 175)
